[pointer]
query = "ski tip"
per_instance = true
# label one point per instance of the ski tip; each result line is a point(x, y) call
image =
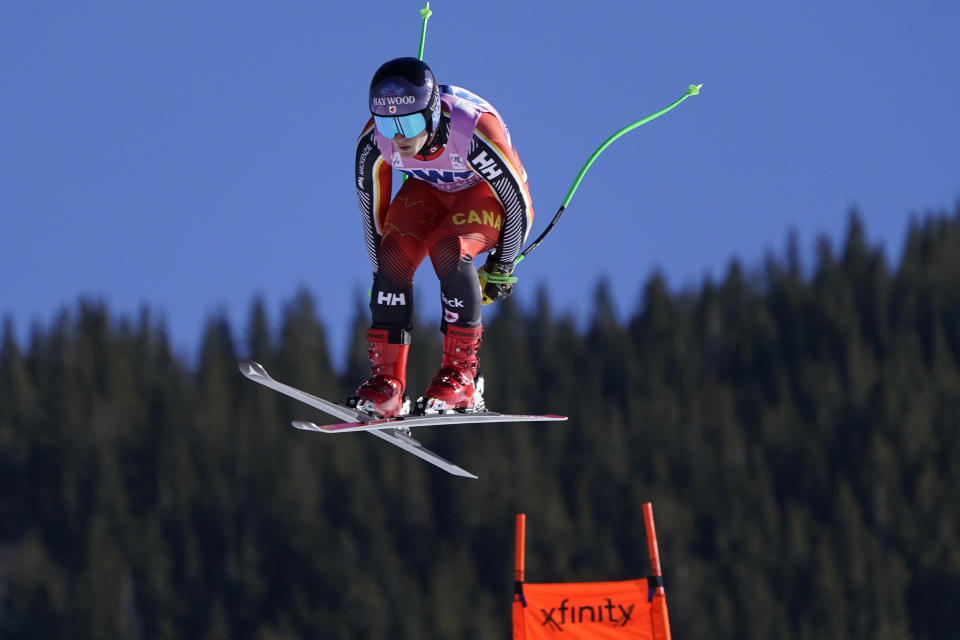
point(548, 417)
point(252, 369)
point(536, 417)
point(305, 426)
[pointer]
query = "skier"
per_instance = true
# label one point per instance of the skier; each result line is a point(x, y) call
point(466, 194)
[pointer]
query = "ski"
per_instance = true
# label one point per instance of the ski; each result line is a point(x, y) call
point(256, 372)
point(398, 438)
point(434, 419)
point(393, 430)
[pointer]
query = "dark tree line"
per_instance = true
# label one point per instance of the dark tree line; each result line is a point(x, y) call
point(796, 427)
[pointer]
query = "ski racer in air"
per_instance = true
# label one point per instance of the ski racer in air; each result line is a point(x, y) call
point(465, 194)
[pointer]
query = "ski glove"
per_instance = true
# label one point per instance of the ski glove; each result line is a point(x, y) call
point(496, 281)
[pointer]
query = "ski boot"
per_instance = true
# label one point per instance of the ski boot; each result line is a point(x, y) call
point(458, 386)
point(383, 396)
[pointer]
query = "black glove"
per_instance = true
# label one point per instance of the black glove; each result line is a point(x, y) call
point(496, 279)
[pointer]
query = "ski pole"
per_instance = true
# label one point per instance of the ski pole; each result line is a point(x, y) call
point(425, 14)
point(692, 90)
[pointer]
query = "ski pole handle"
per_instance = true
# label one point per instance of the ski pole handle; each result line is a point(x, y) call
point(484, 279)
point(496, 278)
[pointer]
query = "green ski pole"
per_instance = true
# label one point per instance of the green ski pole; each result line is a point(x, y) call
point(425, 14)
point(692, 90)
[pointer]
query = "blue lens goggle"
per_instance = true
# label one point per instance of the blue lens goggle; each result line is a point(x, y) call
point(407, 126)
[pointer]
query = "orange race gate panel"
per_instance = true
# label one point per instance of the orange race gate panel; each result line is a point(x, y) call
point(591, 610)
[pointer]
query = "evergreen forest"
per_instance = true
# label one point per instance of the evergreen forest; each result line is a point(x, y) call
point(795, 423)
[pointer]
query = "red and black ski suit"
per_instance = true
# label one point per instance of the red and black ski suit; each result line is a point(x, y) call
point(466, 194)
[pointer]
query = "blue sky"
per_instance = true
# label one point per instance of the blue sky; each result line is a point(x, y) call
point(192, 155)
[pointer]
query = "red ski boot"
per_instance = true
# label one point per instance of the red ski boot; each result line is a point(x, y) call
point(457, 386)
point(382, 395)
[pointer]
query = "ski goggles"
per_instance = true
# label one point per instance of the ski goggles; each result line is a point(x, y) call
point(407, 126)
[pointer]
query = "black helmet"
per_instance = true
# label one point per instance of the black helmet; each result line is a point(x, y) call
point(405, 86)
